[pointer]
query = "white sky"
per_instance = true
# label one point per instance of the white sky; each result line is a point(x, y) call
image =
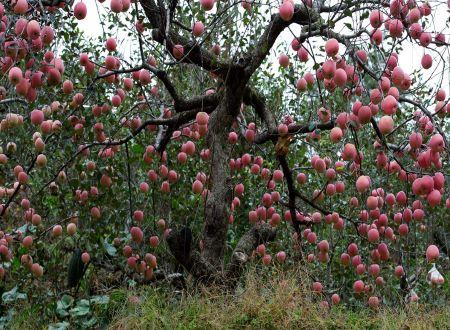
point(409, 58)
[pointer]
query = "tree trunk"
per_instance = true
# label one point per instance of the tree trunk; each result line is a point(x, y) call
point(220, 190)
point(207, 266)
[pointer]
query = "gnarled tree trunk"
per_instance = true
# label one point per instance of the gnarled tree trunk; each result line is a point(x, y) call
point(234, 75)
point(220, 191)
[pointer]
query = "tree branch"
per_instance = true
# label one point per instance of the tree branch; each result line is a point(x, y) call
point(303, 15)
point(13, 100)
point(259, 234)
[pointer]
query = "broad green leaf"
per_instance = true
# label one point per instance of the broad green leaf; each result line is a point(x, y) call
point(110, 249)
point(101, 300)
point(13, 295)
point(66, 301)
point(59, 326)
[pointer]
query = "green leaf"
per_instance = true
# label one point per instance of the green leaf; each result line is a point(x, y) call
point(101, 300)
point(349, 26)
point(137, 149)
point(79, 311)
point(66, 301)
point(83, 302)
point(82, 308)
point(110, 249)
point(59, 326)
point(4, 320)
point(90, 323)
point(61, 312)
point(23, 229)
point(15, 263)
point(13, 295)
point(364, 15)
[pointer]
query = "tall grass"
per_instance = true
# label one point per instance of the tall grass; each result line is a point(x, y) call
point(280, 302)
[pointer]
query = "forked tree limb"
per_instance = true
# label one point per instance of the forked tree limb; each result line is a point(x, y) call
point(180, 245)
point(259, 234)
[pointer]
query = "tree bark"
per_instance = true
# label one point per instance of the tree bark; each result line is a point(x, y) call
point(179, 242)
point(259, 234)
point(220, 191)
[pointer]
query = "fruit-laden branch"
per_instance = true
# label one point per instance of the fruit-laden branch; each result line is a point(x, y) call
point(429, 115)
point(162, 75)
point(255, 100)
point(346, 40)
point(173, 122)
point(293, 129)
point(4, 207)
point(291, 191)
point(258, 103)
point(391, 147)
point(165, 134)
point(180, 104)
point(193, 53)
point(303, 15)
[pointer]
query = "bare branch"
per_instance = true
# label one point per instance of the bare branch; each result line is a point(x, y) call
point(13, 100)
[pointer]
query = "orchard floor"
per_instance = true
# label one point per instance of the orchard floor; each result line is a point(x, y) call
point(278, 303)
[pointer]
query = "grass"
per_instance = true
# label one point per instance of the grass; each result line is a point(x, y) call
point(280, 302)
